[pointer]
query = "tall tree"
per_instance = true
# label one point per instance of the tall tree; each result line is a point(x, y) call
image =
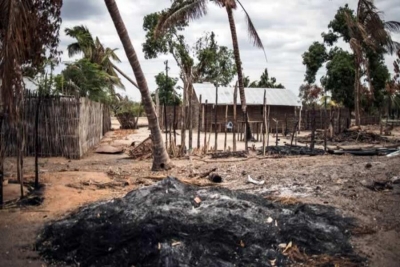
point(339, 78)
point(161, 159)
point(186, 10)
point(86, 79)
point(29, 34)
point(313, 59)
point(264, 82)
point(367, 33)
point(93, 50)
point(215, 63)
point(166, 90)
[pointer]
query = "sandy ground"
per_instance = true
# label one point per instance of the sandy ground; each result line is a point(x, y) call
point(329, 180)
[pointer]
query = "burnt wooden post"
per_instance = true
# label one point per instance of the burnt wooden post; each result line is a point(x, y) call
point(216, 118)
point(170, 122)
point(39, 98)
point(235, 126)
point(190, 119)
point(205, 127)
point(174, 118)
point(165, 125)
point(199, 124)
point(268, 123)
point(294, 132)
point(246, 143)
point(313, 125)
point(226, 123)
point(264, 128)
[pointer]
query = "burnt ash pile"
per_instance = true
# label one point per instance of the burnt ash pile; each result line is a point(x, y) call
point(291, 150)
point(172, 224)
point(349, 136)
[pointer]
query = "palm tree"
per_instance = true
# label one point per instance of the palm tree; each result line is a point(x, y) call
point(193, 9)
point(94, 50)
point(368, 32)
point(160, 156)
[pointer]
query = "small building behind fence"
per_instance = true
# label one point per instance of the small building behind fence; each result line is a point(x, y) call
point(67, 126)
point(282, 104)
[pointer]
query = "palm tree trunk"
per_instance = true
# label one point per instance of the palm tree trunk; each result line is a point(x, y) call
point(125, 76)
point(160, 156)
point(238, 62)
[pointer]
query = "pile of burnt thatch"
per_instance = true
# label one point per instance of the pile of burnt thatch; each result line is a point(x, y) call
point(291, 150)
point(349, 136)
point(172, 224)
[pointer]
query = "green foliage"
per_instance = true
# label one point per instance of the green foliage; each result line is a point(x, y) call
point(379, 77)
point(339, 79)
point(313, 60)
point(309, 93)
point(122, 105)
point(85, 79)
point(338, 27)
point(93, 50)
point(166, 90)
point(341, 65)
point(215, 63)
point(170, 42)
point(265, 82)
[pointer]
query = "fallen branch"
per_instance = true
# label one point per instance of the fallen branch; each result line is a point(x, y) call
point(229, 154)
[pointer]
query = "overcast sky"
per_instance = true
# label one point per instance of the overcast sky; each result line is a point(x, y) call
point(287, 28)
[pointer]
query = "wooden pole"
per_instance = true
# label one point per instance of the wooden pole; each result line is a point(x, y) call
point(205, 127)
point(165, 125)
point(190, 119)
point(226, 123)
point(37, 140)
point(158, 103)
point(246, 143)
point(215, 119)
point(313, 125)
point(234, 116)
point(174, 124)
point(268, 124)
point(183, 120)
point(199, 124)
point(264, 121)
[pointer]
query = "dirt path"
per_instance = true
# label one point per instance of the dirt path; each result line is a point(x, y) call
point(330, 180)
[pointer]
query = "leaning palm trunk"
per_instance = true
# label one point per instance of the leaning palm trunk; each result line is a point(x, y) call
point(160, 156)
point(125, 76)
point(238, 62)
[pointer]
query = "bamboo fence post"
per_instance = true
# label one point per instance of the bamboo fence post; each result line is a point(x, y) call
point(174, 125)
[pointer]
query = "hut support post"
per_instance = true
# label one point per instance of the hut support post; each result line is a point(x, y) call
point(264, 129)
point(199, 125)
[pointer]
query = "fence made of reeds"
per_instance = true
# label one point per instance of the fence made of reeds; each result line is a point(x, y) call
point(65, 126)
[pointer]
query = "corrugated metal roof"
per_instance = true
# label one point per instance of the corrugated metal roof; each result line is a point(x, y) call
point(254, 96)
